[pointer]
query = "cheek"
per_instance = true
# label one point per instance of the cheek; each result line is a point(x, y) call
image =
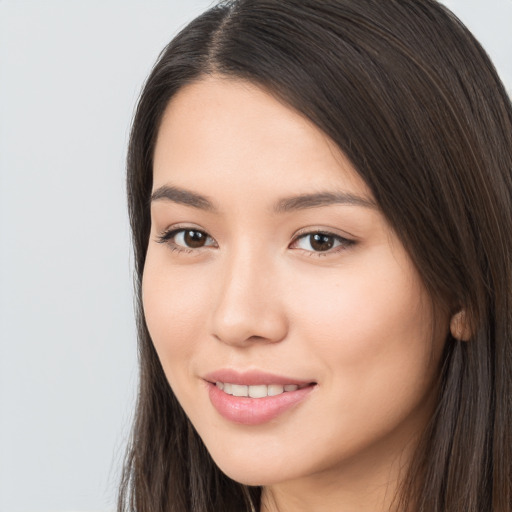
point(173, 306)
point(368, 323)
point(372, 334)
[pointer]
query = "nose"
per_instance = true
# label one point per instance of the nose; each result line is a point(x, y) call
point(249, 306)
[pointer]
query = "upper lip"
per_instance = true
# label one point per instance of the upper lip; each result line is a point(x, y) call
point(252, 378)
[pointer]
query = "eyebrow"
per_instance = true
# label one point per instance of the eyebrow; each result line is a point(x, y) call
point(304, 201)
point(285, 205)
point(182, 196)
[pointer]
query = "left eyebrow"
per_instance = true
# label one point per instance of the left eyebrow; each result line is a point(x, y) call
point(304, 201)
point(182, 196)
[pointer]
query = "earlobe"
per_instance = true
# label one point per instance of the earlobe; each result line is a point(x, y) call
point(459, 326)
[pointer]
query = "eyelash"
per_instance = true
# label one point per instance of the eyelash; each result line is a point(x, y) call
point(343, 243)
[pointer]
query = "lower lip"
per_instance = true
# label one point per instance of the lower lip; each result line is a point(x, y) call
point(255, 411)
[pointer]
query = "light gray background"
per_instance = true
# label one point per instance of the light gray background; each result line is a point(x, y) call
point(70, 73)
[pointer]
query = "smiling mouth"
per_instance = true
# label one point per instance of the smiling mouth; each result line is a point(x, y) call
point(255, 398)
point(258, 391)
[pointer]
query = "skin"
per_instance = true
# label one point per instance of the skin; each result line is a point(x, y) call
point(355, 319)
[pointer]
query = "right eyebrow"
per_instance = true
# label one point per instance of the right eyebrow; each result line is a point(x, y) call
point(317, 200)
point(182, 196)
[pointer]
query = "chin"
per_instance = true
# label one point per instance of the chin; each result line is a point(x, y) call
point(251, 478)
point(260, 473)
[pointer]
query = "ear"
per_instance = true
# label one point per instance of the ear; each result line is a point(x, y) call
point(459, 326)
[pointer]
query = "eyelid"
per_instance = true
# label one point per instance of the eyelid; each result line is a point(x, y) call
point(326, 231)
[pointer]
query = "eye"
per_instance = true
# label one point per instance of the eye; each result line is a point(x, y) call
point(187, 238)
point(321, 242)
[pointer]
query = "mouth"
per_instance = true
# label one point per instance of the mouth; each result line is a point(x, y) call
point(255, 398)
point(258, 391)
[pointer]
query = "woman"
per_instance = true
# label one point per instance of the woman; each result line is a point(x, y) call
point(321, 202)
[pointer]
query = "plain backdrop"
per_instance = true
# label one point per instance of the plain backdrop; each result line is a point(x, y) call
point(70, 74)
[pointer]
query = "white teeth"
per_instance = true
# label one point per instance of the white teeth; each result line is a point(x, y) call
point(275, 389)
point(239, 390)
point(259, 391)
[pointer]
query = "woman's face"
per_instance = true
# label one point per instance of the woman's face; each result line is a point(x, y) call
point(271, 271)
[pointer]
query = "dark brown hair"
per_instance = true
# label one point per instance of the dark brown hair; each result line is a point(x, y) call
point(414, 102)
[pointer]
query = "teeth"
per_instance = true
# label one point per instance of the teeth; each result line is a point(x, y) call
point(239, 390)
point(260, 391)
point(275, 389)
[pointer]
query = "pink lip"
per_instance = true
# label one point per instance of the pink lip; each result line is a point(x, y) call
point(254, 411)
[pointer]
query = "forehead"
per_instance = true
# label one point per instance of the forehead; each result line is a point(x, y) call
point(219, 128)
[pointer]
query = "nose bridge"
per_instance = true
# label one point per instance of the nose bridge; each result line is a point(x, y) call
point(248, 306)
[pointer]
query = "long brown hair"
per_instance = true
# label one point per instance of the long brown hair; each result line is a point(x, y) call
point(414, 102)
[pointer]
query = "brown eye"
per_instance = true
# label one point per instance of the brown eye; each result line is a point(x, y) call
point(194, 239)
point(321, 242)
point(187, 238)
